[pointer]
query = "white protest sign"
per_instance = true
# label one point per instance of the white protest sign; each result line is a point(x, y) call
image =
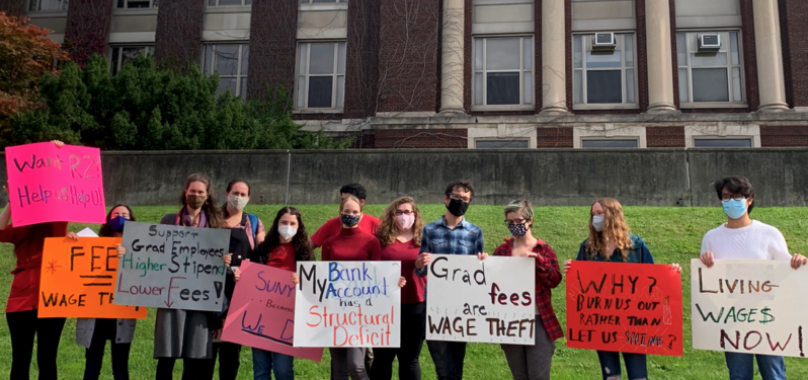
point(488, 301)
point(749, 306)
point(172, 267)
point(348, 304)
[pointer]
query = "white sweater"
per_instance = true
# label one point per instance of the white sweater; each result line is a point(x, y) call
point(757, 241)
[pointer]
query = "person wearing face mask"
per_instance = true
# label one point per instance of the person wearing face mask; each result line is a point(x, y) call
point(93, 333)
point(367, 223)
point(742, 238)
point(400, 237)
point(610, 240)
point(287, 243)
point(533, 362)
point(452, 234)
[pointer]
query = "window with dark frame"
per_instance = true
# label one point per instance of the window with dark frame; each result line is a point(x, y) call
point(120, 55)
point(610, 143)
point(502, 144)
point(231, 62)
point(722, 143)
point(320, 75)
point(503, 71)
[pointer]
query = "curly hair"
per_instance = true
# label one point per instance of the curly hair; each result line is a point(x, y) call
point(387, 231)
point(303, 249)
point(615, 230)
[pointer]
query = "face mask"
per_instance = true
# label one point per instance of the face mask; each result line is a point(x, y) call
point(405, 221)
point(457, 207)
point(735, 209)
point(350, 220)
point(116, 224)
point(195, 202)
point(287, 232)
point(517, 230)
point(598, 222)
point(237, 202)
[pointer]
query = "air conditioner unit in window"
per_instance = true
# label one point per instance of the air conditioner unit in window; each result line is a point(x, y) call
point(709, 43)
point(603, 41)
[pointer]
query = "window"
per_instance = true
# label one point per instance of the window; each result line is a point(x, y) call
point(320, 75)
point(322, 1)
point(503, 71)
point(502, 144)
point(722, 143)
point(604, 76)
point(47, 5)
point(229, 2)
point(137, 3)
point(120, 55)
point(711, 76)
point(610, 143)
point(230, 61)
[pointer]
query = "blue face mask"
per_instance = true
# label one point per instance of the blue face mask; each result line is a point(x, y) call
point(350, 220)
point(116, 224)
point(735, 209)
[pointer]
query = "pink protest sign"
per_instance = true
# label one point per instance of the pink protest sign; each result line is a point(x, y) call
point(262, 312)
point(52, 184)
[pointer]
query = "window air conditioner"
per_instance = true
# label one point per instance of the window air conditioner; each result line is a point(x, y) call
point(709, 43)
point(603, 41)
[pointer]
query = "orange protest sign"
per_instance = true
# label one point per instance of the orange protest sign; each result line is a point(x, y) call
point(78, 280)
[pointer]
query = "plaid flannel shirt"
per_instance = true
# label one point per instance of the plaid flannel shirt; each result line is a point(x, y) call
point(437, 237)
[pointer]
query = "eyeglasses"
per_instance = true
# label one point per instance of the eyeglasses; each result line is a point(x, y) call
point(405, 212)
point(734, 197)
point(459, 198)
point(515, 222)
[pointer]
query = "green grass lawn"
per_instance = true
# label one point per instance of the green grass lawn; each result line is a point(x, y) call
point(673, 235)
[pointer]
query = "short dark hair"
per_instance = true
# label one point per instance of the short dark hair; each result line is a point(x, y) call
point(461, 183)
point(354, 189)
point(736, 185)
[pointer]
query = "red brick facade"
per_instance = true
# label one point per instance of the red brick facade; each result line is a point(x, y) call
point(554, 137)
point(794, 32)
point(421, 138)
point(362, 59)
point(87, 29)
point(13, 7)
point(665, 137)
point(273, 45)
point(787, 136)
point(178, 40)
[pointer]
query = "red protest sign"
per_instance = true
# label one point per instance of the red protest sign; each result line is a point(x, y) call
point(621, 307)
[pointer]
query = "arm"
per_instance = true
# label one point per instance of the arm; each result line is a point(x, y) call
point(5, 217)
point(548, 273)
point(778, 249)
point(646, 254)
point(424, 250)
point(261, 233)
point(479, 245)
point(322, 233)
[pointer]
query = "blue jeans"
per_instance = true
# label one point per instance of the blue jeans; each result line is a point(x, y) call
point(264, 361)
point(741, 366)
point(610, 365)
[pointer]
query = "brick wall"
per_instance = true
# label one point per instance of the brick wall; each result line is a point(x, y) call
point(409, 55)
point(784, 136)
point(421, 138)
point(665, 137)
point(273, 45)
point(362, 59)
point(749, 56)
point(13, 7)
point(794, 33)
point(554, 137)
point(178, 41)
point(87, 29)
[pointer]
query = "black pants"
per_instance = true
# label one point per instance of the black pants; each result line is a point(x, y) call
point(448, 358)
point(23, 326)
point(413, 331)
point(229, 355)
point(192, 369)
point(105, 330)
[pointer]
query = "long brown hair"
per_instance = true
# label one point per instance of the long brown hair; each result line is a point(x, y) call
point(303, 249)
point(387, 231)
point(212, 212)
point(615, 230)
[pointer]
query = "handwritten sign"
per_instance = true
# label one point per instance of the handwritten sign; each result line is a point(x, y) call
point(348, 304)
point(172, 267)
point(262, 312)
point(622, 307)
point(51, 184)
point(78, 280)
point(749, 306)
point(487, 301)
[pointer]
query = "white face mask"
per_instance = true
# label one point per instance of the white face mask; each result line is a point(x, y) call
point(598, 222)
point(237, 202)
point(287, 232)
point(405, 221)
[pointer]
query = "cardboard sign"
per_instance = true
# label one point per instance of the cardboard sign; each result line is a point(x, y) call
point(348, 304)
point(172, 267)
point(51, 184)
point(749, 306)
point(488, 301)
point(622, 307)
point(262, 312)
point(78, 280)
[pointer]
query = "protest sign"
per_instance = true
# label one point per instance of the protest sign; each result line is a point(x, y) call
point(262, 312)
point(172, 267)
point(488, 301)
point(51, 184)
point(348, 304)
point(77, 280)
point(621, 307)
point(749, 306)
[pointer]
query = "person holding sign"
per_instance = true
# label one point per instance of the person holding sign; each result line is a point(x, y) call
point(533, 362)
point(452, 234)
point(400, 237)
point(93, 333)
point(23, 299)
point(287, 243)
point(746, 239)
point(610, 240)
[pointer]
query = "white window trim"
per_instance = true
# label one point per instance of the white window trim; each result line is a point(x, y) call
point(229, 7)
point(522, 70)
point(334, 86)
point(503, 132)
point(150, 7)
point(212, 70)
point(719, 131)
point(48, 12)
point(607, 132)
point(710, 105)
point(324, 7)
point(117, 49)
point(585, 42)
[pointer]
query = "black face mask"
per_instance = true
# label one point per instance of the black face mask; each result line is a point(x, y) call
point(457, 207)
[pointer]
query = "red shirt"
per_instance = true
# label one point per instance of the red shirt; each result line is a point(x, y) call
point(28, 244)
point(368, 224)
point(548, 276)
point(283, 257)
point(352, 244)
point(407, 253)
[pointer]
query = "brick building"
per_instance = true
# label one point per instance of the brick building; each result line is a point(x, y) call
point(483, 73)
